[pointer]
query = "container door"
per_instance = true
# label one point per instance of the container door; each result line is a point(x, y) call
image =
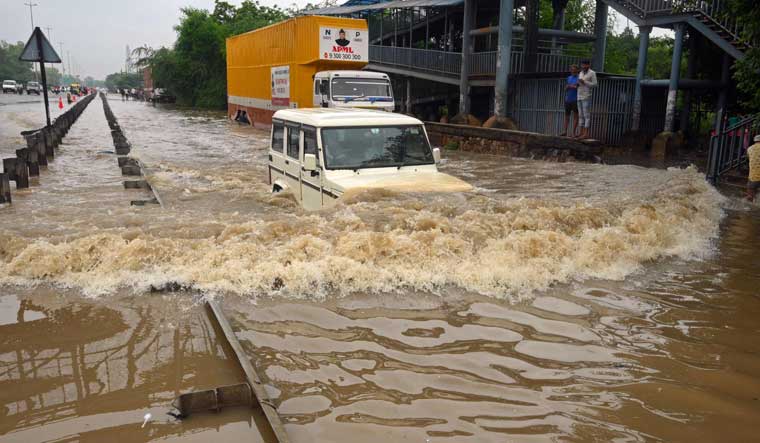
point(311, 180)
point(277, 152)
point(292, 160)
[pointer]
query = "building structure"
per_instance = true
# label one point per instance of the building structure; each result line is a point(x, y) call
point(490, 58)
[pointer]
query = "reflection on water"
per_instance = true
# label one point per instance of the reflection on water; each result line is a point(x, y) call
point(92, 371)
point(557, 302)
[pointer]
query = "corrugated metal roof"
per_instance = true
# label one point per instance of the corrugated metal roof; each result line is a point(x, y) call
point(397, 4)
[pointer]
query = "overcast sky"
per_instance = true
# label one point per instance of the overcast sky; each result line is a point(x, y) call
point(96, 32)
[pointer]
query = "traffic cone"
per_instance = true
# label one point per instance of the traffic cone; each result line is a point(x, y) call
point(60, 102)
point(74, 97)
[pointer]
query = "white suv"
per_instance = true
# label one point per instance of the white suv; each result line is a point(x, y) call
point(9, 86)
point(33, 87)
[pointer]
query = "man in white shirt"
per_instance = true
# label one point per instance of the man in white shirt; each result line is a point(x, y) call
point(586, 81)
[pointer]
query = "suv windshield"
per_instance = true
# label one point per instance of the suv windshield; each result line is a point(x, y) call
point(9, 82)
point(344, 88)
point(375, 147)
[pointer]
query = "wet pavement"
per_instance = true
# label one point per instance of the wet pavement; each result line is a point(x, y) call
point(556, 302)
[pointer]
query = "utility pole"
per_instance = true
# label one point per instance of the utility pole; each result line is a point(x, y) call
point(71, 73)
point(31, 13)
point(31, 16)
point(63, 64)
point(49, 37)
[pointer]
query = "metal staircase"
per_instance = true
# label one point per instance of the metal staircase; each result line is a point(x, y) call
point(709, 17)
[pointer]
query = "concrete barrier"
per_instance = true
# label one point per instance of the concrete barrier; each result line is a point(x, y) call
point(512, 143)
point(40, 146)
point(5, 188)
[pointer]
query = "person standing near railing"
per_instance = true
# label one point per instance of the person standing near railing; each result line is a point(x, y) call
point(571, 101)
point(586, 81)
point(753, 180)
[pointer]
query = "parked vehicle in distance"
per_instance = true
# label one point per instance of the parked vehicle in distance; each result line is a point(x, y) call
point(9, 86)
point(160, 95)
point(74, 88)
point(361, 89)
point(33, 87)
point(320, 154)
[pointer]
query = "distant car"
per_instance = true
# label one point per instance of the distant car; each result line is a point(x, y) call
point(160, 95)
point(33, 87)
point(9, 86)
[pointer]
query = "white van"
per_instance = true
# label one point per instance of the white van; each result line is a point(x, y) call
point(319, 154)
point(353, 89)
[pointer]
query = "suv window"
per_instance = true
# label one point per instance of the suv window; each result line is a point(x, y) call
point(278, 137)
point(293, 135)
point(310, 142)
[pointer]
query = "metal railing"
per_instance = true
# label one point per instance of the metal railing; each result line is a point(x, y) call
point(715, 11)
point(538, 105)
point(728, 147)
point(450, 63)
point(440, 62)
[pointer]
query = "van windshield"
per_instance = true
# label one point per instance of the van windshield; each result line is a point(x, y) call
point(363, 89)
point(375, 147)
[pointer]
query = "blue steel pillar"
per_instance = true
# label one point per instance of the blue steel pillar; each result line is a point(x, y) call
point(600, 36)
point(503, 57)
point(464, 75)
point(641, 69)
point(675, 72)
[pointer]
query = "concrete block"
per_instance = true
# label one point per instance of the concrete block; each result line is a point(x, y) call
point(136, 184)
point(5, 188)
point(131, 170)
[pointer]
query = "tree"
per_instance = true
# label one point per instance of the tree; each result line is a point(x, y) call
point(194, 69)
point(123, 80)
point(10, 66)
point(747, 70)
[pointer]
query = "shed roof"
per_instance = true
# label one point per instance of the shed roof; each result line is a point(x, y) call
point(351, 6)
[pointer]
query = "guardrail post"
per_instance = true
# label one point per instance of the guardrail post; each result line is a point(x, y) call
point(5, 188)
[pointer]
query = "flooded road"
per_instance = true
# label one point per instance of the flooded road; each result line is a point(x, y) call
point(557, 302)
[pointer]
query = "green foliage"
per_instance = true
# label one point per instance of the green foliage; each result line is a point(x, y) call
point(747, 70)
point(623, 52)
point(120, 80)
point(451, 145)
point(195, 70)
point(10, 66)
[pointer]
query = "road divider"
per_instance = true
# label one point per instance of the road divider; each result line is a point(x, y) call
point(129, 166)
point(41, 145)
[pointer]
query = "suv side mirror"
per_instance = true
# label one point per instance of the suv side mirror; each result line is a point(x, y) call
point(437, 155)
point(309, 162)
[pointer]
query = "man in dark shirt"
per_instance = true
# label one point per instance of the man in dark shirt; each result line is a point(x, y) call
point(571, 99)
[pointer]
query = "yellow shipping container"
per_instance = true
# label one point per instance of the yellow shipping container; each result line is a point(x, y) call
point(273, 67)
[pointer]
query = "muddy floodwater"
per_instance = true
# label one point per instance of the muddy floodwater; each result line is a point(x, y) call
point(555, 302)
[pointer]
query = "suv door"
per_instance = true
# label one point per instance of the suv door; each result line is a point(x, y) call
point(311, 180)
point(277, 152)
point(293, 159)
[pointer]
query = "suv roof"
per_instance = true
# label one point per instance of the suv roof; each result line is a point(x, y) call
point(9, 81)
point(337, 117)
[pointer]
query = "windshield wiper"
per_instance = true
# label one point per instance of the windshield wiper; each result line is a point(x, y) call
point(350, 99)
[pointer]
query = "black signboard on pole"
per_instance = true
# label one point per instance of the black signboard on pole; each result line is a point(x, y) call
point(39, 49)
